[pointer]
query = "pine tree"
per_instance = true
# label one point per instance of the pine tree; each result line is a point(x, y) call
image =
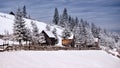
point(28, 36)
point(70, 19)
point(78, 35)
point(71, 23)
point(19, 29)
point(118, 44)
point(24, 11)
point(89, 39)
point(55, 32)
point(61, 21)
point(83, 34)
point(56, 17)
point(76, 31)
point(29, 17)
point(65, 18)
point(35, 33)
point(48, 28)
point(106, 39)
point(66, 33)
point(115, 35)
point(95, 30)
point(76, 21)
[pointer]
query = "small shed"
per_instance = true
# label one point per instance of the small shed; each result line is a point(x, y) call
point(68, 42)
point(49, 37)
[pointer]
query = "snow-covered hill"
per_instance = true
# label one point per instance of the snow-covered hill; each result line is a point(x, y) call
point(58, 59)
point(7, 20)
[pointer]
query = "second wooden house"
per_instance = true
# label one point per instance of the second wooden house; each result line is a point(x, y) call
point(49, 37)
point(69, 42)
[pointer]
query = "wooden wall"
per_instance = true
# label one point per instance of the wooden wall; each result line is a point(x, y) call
point(67, 42)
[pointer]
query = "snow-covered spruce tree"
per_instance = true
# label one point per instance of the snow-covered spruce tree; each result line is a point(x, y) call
point(71, 23)
point(48, 28)
point(35, 33)
point(29, 17)
point(76, 21)
point(19, 29)
point(112, 39)
point(95, 30)
point(66, 33)
point(28, 36)
point(118, 44)
point(106, 40)
point(24, 12)
point(83, 35)
point(64, 19)
point(56, 17)
point(82, 32)
point(115, 35)
point(78, 34)
point(61, 21)
point(54, 31)
point(102, 36)
point(89, 39)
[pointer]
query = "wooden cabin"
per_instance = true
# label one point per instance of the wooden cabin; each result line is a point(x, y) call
point(49, 37)
point(67, 42)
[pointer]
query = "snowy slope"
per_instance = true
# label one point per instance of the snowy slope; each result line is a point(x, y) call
point(58, 59)
point(7, 20)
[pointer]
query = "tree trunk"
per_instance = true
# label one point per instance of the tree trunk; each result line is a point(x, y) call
point(26, 42)
point(20, 43)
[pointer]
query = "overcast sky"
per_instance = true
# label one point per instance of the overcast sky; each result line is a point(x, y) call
point(104, 13)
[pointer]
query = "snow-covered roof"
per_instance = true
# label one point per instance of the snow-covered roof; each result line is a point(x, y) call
point(71, 37)
point(49, 33)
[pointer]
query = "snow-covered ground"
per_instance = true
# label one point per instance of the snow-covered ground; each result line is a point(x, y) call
point(58, 59)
